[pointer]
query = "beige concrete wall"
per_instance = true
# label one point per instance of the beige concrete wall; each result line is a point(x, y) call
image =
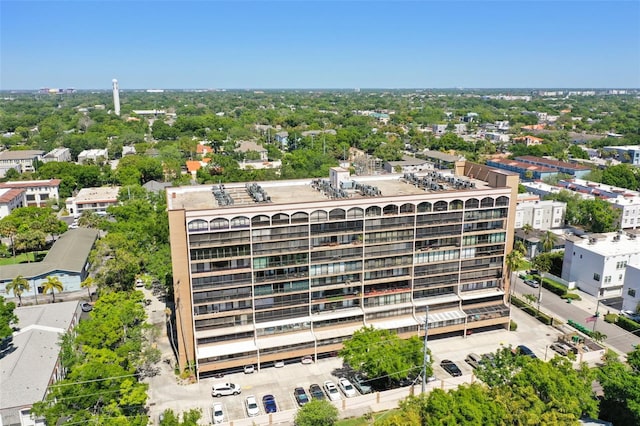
point(181, 287)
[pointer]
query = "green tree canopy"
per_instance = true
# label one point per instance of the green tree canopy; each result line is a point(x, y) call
point(318, 412)
point(7, 318)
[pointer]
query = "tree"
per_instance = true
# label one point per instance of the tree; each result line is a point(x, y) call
point(527, 228)
point(598, 215)
point(621, 384)
point(598, 336)
point(51, 285)
point(548, 240)
point(30, 240)
point(7, 318)
point(189, 418)
point(318, 412)
point(18, 286)
point(620, 175)
point(87, 283)
point(9, 229)
point(381, 353)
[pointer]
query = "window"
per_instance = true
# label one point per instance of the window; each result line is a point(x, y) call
point(596, 277)
point(620, 277)
point(607, 279)
point(632, 292)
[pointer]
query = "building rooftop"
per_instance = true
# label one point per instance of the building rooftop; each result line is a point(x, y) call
point(68, 254)
point(552, 163)
point(624, 147)
point(9, 194)
point(94, 195)
point(443, 156)
point(610, 244)
point(26, 371)
point(306, 190)
point(20, 155)
point(523, 166)
point(30, 183)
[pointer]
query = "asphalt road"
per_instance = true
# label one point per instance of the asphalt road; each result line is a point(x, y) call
point(619, 339)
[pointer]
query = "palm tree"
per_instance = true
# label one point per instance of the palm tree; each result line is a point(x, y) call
point(598, 336)
point(9, 229)
point(87, 283)
point(527, 228)
point(513, 261)
point(18, 286)
point(52, 284)
point(519, 246)
point(548, 241)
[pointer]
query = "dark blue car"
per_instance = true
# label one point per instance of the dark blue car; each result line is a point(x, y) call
point(523, 350)
point(269, 403)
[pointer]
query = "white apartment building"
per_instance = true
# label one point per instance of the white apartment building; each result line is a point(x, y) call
point(59, 155)
point(626, 153)
point(93, 154)
point(543, 215)
point(631, 289)
point(22, 161)
point(10, 199)
point(598, 263)
point(36, 192)
point(95, 200)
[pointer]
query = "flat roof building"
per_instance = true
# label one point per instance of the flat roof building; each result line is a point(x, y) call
point(572, 169)
point(597, 262)
point(21, 161)
point(37, 193)
point(283, 269)
point(626, 153)
point(526, 171)
point(94, 200)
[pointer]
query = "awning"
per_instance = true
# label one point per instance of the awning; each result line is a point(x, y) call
point(330, 333)
point(395, 323)
point(279, 323)
point(225, 349)
point(222, 331)
point(443, 316)
point(471, 295)
point(436, 300)
point(339, 313)
point(286, 339)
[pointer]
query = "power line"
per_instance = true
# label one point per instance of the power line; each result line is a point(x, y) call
point(91, 381)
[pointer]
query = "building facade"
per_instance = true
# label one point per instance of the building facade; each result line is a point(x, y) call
point(543, 215)
point(93, 200)
point(597, 263)
point(631, 288)
point(21, 161)
point(626, 154)
point(59, 155)
point(286, 269)
point(37, 193)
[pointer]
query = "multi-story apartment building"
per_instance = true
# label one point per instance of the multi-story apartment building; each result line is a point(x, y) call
point(284, 269)
point(597, 263)
point(543, 215)
point(37, 193)
point(21, 161)
point(93, 200)
point(626, 154)
point(59, 155)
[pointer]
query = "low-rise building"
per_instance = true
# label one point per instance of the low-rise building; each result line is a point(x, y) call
point(408, 165)
point(10, 199)
point(94, 155)
point(575, 170)
point(626, 153)
point(529, 140)
point(631, 288)
point(32, 362)
point(247, 146)
point(59, 155)
point(597, 263)
point(37, 193)
point(94, 200)
point(543, 215)
point(525, 170)
point(67, 260)
point(21, 161)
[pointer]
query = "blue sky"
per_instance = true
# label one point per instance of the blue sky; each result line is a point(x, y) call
point(319, 44)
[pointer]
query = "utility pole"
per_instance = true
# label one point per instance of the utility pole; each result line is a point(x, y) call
point(596, 315)
point(425, 354)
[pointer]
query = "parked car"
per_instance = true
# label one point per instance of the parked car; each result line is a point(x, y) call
point(473, 360)
point(560, 348)
point(523, 350)
point(532, 283)
point(332, 391)
point(224, 389)
point(301, 396)
point(316, 391)
point(218, 414)
point(252, 406)
point(249, 369)
point(278, 364)
point(633, 316)
point(360, 383)
point(86, 307)
point(269, 402)
point(451, 367)
point(307, 359)
point(347, 387)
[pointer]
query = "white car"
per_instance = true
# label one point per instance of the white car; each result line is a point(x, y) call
point(218, 414)
point(332, 391)
point(252, 406)
point(249, 369)
point(347, 387)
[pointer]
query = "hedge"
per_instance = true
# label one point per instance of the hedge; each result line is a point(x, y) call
point(554, 287)
point(627, 324)
point(572, 296)
point(543, 318)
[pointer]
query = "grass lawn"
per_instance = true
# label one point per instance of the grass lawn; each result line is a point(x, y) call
point(22, 258)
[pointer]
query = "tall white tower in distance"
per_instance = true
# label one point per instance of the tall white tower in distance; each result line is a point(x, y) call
point(116, 97)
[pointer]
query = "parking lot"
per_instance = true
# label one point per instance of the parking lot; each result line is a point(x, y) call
point(165, 392)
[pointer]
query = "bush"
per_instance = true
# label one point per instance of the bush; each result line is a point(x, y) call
point(611, 318)
point(513, 326)
point(554, 287)
point(627, 324)
point(571, 296)
point(543, 318)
